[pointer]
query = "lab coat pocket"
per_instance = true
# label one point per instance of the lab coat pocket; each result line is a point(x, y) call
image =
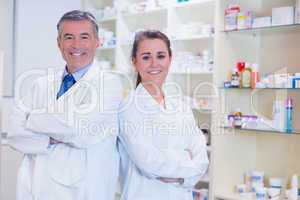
point(67, 165)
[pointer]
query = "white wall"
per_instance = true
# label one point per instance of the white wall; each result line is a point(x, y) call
point(6, 43)
point(36, 33)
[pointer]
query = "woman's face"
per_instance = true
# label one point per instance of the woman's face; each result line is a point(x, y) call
point(152, 61)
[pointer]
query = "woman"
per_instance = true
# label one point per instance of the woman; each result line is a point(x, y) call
point(163, 153)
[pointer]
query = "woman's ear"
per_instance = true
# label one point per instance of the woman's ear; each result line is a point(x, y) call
point(133, 60)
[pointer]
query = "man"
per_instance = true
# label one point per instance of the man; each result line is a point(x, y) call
point(68, 132)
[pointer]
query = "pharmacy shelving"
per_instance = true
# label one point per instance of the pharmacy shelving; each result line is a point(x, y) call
point(106, 48)
point(153, 11)
point(191, 3)
point(198, 72)
point(265, 29)
point(261, 89)
point(233, 196)
point(238, 151)
point(264, 131)
point(104, 20)
point(194, 37)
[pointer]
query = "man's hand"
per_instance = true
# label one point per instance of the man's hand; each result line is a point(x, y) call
point(190, 153)
point(54, 141)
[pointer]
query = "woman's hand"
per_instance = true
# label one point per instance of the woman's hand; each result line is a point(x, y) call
point(176, 180)
point(171, 180)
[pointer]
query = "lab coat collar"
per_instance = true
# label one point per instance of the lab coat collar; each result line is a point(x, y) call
point(89, 75)
point(144, 98)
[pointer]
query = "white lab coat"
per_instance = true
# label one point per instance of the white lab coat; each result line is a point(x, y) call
point(152, 144)
point(85, 166)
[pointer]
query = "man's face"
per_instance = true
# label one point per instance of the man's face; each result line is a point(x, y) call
point(77, 43)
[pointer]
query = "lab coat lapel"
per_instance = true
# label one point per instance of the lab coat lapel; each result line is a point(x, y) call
point(145, 101)
point(149, 104)
point(79, 90)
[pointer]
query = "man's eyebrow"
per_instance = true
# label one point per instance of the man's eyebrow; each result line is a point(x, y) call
point(84, 33)
point(68, 34)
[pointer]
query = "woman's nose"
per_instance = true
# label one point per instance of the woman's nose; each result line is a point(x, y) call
point(154, 62)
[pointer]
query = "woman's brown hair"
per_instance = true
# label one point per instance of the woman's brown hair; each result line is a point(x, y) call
point(148, 34)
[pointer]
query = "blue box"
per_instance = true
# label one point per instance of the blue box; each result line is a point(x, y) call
point(296, 82)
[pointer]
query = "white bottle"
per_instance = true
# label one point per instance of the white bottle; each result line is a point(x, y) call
point(293, 194)
point(278, 115)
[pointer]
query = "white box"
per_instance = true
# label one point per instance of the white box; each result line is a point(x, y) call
point(262, 22)
point(283, 16)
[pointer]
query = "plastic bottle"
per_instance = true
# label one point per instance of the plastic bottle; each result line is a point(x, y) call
point(254, 75)
point(246, 76)
point(289, 115)
point(238, 118)
point(278, 115)
point(293, 192)
point(235, 79)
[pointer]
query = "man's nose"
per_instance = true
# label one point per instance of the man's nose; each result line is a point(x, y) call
point(76, 43)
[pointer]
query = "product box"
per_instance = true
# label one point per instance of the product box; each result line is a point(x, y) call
point(244, 20)
point(296, 82)
point(283, 16)
point(262, 22)
point(230, 17)
point(281, 81)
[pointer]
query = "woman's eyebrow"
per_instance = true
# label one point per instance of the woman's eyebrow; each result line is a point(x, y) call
point(145, 53)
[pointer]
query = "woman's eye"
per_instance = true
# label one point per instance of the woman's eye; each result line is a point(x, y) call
point(161, 56)
point(146, 57)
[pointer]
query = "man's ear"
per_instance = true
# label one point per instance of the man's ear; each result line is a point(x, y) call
point(99, 42)
point(58, 41)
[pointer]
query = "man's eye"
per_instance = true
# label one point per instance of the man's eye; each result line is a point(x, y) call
point(68, 37)
point(161, 56)
point(84, 37)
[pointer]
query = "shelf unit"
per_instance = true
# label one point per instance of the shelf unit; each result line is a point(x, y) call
point(237, 151)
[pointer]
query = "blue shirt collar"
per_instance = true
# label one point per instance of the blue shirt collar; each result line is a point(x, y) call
point(78, 74)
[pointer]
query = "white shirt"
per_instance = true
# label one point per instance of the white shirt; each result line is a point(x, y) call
point(85, 166)
point(152, 144)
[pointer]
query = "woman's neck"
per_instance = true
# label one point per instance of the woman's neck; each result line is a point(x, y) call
point(155, 91)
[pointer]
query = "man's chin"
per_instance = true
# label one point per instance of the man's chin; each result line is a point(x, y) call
point(75, 67)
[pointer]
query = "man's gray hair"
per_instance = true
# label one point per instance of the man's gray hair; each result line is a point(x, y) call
point(78, 15)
